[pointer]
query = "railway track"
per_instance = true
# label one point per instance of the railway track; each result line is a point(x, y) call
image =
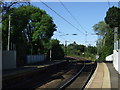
point(80, 80)
point(56, 82)
point(60, 78)
point(73, 79)
point(29, 80)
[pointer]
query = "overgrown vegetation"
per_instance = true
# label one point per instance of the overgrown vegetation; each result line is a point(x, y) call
point(88, 52)
point(105, 30)
point(31, 30)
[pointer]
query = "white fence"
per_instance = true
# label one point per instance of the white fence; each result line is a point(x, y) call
point(116, 60)
point(109, 58)
point(115, 57)
point(35, 58)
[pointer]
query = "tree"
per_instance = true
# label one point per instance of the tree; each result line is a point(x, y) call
point(79, 50)
point(101, 28)
point(8, 6)
point(56, 49)
point(31, 28)
point(75, 49)
point(82, 48)
point(92, 49)
point(105, 42)
point(72, 49)
point(7, 9)
point(113, 17)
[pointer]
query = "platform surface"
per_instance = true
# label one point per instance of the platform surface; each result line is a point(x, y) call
point(100, 78)
point(28, 68)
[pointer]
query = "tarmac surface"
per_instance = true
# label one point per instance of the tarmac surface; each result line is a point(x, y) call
point(114, 77)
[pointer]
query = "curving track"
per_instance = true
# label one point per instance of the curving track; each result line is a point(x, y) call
point(79, 80)
point(75, 78)
point(73, 68)
point(74, 74)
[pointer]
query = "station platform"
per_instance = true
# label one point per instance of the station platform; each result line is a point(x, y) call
point(28, 69)
point(104, 77)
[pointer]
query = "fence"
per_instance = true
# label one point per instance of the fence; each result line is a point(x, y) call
point(35, 59)
point(116, 55)
point(109, 58)
point(8, 59)
point(116, 59)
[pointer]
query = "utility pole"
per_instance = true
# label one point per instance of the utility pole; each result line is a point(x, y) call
point(86, 44)
point(98, 46)
point(8, 48)
point(50, 51)
point(65, 48)
point(116, 42)
point(50, 54)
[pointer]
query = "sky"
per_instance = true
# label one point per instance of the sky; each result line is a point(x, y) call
point(87, 14)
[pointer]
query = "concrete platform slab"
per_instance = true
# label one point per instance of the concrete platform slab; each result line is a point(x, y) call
point(100, 79)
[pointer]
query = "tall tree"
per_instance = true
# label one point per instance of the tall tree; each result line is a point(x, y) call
point(30, 28)
point(113, 17)
point(105, 42)
point(8, 6)
point(101, 28)
point(56, 50)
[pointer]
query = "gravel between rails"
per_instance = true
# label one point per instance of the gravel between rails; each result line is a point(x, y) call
point(81, 79)
point(56, 83)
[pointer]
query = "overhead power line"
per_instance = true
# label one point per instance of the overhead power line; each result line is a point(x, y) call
point(61, 16)
point(86, 33)
point(72, 16)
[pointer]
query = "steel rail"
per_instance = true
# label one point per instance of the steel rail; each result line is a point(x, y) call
point(91, 72)
point(62, 87)
point(71, 80)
